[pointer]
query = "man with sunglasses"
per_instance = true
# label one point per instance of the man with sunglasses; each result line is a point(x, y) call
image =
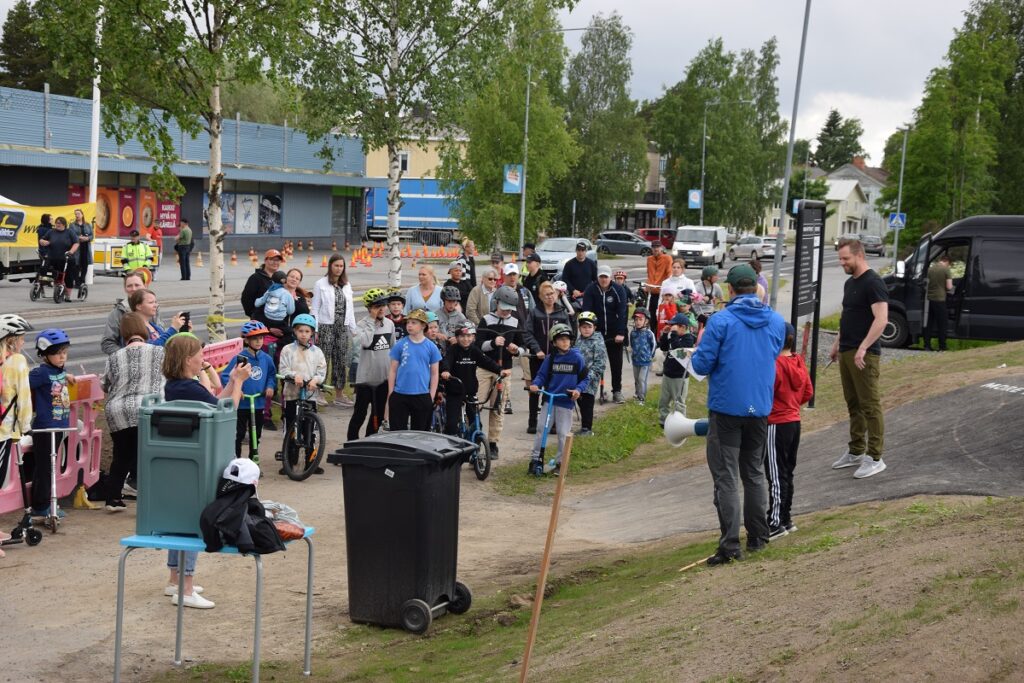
point(479, 303)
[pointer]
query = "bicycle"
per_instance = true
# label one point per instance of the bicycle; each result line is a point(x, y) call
point(642, 296)
point(305, 440)
point(480, 460)
point(60, 289)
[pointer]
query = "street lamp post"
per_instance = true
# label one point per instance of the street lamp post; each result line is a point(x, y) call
point(704, 144)
point(526, 128)
point(899, 201)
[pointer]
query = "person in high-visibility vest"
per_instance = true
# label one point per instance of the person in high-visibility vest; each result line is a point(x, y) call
point(135, 254)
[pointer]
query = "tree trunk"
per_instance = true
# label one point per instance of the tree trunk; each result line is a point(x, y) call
point(215, 316)
point(394, 204)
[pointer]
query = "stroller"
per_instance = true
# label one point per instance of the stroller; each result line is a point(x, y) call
point(58, 280)
point(24, 532)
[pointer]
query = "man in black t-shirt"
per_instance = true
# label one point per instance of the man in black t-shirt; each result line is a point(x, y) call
point(865, 315)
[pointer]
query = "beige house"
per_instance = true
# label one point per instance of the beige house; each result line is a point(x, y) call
point(849, 208)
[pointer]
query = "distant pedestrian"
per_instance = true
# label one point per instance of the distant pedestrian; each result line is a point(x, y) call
point(940, 284)
point(579, 272)
point(608, 301)
point(793, 388)
point(762, 281)
point(659, 269)
point(336, 323)
point(85, 237)
point(183, 245)
point(865, 315)
point(737, 353)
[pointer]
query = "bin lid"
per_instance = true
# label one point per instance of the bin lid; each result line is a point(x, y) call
point(402, 448)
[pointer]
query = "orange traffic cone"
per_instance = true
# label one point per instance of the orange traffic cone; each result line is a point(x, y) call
point(300, 245)
point(323, 261)
point(234, 258)
point(309, 261)
point(252, 252)
point(352, 263)
point(334, 245)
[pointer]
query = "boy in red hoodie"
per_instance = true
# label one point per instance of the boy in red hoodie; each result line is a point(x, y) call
point(793, 388)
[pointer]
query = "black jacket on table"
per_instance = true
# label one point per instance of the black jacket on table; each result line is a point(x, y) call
point(462, 363)
point(491, 327)
point(237, 517)
point(670, 341)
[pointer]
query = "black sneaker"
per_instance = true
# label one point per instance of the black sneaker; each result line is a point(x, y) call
point(115, 506)
point(494, 450)
point(777, 532)
point(532, 429)
point(720, 558)
point(535, 468)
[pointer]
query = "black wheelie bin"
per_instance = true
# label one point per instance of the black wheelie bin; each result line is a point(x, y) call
point(402, 527)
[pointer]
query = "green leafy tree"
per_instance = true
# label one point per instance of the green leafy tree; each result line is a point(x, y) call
point(838, 141)
point(174, 57)
point(373, 62)
point(492, 121)
point(1009, 171)
point(801, 151)
point(744, 148)
point(613, 146)
point(25, 63)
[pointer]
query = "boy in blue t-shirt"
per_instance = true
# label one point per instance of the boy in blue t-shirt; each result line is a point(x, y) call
point(255, 390)
point(564, 371)
point(51, 409)
point(412, 379)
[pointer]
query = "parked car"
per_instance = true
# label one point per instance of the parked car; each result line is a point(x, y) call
point(555, 251)
point(873, 244)
point(701, 245)
point(666, 236)
point(620, 242)
point(754, 247)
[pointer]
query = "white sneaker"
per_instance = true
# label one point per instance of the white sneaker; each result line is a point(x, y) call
point(195, 600)
point(172, 589)
point(848, 460)
point(869, 467)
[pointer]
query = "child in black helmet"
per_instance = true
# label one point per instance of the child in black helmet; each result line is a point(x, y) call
point(563, 372)
point(51, 409)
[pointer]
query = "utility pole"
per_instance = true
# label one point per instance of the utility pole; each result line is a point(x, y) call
point(781, 235)
point(899, 200)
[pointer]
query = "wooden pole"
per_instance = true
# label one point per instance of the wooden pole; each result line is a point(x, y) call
point(546, 560)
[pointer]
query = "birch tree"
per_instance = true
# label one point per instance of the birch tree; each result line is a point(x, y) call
point(164, 60)
point(394, 71)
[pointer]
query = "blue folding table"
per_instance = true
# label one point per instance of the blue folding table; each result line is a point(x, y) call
point(183, 544)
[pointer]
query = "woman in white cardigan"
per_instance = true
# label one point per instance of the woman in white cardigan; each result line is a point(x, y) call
point(336, 322)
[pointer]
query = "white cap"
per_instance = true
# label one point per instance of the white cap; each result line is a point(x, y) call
point(242, 470)
point(604, 271)
point(510, 268)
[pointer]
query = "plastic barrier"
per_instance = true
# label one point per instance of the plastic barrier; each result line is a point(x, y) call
point(220, 353)
point(84, 446)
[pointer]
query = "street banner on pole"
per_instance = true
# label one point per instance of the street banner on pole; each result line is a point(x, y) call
point(513, 183)
point(695, 198)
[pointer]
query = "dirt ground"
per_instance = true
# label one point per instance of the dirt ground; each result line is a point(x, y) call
point(57, 600)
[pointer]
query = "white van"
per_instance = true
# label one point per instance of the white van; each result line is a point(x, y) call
point(701, 245)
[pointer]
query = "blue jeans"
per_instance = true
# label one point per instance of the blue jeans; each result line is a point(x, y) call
point(190, 561)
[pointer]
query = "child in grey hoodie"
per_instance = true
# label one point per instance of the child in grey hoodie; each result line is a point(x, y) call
point(374, 339)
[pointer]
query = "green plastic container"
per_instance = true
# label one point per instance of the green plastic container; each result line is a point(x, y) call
point(184, 447)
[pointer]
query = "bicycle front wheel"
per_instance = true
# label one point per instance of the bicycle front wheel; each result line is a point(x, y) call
point(304, 447)
point(482, 458)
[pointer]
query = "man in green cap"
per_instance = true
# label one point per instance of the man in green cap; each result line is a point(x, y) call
point(737, 353)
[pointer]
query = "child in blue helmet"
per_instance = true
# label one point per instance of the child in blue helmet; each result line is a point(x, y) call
point(51, 409)
point(256, 390)
point(301, 361)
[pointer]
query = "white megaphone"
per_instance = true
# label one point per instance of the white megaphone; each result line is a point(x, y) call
point(678, 427)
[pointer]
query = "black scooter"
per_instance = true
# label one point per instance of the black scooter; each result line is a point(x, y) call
point(24, 532)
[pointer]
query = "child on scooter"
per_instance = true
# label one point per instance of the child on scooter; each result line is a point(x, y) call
point(564, 371)
point(255, 390)
point(51, 407)
point(15, 395)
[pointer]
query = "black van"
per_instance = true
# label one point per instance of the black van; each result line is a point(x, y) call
point(987, 301)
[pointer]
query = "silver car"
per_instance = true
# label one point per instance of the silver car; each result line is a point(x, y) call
point(754, 247)
point(555, 251)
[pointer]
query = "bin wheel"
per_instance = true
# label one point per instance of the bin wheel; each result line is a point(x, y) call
point(416, 616)
point(33, 536)
point(482, 457)
point(460, 602)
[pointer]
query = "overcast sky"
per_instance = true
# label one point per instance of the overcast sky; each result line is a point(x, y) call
point(867, 58)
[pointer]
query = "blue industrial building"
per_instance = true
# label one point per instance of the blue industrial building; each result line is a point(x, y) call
point(424, 217)
point(275, 183)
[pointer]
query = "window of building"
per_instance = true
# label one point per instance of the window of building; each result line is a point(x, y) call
point(403, 161)
point(78, 177)
point(775, 222)
point(127, 179)
point(107, 179)
point(662, 163)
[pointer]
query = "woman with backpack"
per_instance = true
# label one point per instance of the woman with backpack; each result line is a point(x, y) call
point(336, 323)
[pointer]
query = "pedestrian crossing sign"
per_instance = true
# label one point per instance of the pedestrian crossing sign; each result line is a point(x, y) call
point(897, 221)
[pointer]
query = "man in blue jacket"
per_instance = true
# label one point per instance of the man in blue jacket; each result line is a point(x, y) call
point(609, 301)
point(737, 353)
